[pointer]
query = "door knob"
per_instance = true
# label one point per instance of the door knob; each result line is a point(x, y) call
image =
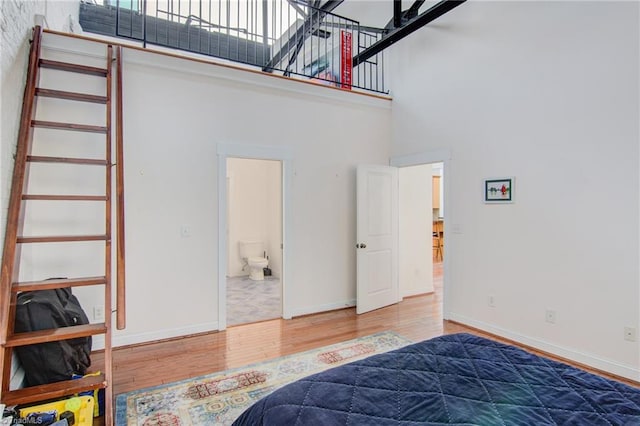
point(362, 245)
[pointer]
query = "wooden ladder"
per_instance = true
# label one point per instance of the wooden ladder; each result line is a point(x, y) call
point(10, 284)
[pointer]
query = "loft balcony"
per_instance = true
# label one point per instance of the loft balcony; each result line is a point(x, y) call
point(284, 37)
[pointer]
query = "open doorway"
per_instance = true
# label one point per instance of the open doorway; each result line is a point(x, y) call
point(282, 156)
point(254, 240)
point(437, 235)
point(423, 264)
point(421, 230)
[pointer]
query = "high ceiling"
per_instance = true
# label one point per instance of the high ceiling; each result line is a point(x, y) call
point(375, 13)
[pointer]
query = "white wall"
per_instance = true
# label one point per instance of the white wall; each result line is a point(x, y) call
point(255, 210)
point(547, 92)
point(182, 110)
point(176, 112)
point(544, 91)
point(415, 265)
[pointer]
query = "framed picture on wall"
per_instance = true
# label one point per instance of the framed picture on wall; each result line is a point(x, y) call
point(498, 190)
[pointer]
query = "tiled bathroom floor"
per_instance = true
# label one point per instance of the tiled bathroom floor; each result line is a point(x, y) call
point(251, 301)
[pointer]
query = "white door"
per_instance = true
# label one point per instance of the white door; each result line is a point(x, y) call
point(377, 237)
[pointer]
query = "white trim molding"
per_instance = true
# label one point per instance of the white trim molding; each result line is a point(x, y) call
point(324, 308)
point(136, 338)
point(580, 357)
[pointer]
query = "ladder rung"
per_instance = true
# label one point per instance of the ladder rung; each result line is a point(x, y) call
point(62, 238)
point(42, 159)
point(71, 96)
point(65, 66)
point(57, 283)
point(65, 197)
point(53, 390)
point(69, 126)
point(55, 334)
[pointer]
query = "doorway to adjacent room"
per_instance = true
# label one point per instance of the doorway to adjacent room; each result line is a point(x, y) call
point(240, 210)
point(254, 238)
point(396, 230)
point(422, 178)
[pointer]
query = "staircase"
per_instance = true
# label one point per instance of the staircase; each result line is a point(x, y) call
point(26, 207)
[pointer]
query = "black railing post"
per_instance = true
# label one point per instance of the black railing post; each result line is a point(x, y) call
point(265, 24)
point(144, 24)
point(117, 17)
point(382, 68)
point(397, 13)
point(359, 47)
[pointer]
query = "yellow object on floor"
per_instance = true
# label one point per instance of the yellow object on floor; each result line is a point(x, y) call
point(97, 394)
point(80, 406)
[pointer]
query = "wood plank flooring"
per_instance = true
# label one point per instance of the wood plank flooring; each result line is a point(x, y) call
point(416, 318)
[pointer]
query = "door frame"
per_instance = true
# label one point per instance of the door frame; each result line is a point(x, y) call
point(430, 157)
point(256, 152)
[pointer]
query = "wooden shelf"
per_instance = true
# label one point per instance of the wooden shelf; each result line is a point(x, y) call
point(62, 239)
point(69, 126)
point(53, 390)
point(54, 334)
point(65, 66)
point(67, 160)
point(71, 96)
point(57, 283)
point(64, 197)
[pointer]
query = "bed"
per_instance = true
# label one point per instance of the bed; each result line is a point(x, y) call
point(454, 379)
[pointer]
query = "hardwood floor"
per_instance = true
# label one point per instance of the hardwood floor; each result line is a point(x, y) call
point(140, 366)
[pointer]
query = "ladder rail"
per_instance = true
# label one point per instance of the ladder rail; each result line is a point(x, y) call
point(10, 284)
point(108, 412)
point(15, 215)
point(121, 319)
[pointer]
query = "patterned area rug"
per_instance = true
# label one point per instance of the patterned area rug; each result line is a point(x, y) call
point(219, 398)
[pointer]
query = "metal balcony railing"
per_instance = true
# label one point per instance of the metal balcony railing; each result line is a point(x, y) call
point(286, 37)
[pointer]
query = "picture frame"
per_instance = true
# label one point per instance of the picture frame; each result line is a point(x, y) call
point(499, 190)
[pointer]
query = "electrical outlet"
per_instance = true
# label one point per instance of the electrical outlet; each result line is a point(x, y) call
point(550, 316)
point(98, 313)
point(630, 334)
point(491, 301)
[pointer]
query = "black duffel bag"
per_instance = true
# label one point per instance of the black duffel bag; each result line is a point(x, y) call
point(52, 361)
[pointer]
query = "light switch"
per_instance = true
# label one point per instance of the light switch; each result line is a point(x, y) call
point(185, 231)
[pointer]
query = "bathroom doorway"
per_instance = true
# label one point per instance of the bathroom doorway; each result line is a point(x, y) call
point(254, 240)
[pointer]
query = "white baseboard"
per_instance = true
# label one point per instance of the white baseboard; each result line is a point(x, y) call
point(121, 339)
point(131, 339)
point(323, 308)
point(590, 360)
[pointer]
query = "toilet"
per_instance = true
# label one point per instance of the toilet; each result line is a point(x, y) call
point(252, 254)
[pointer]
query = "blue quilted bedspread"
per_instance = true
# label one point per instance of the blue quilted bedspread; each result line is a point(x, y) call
point(455, 379)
